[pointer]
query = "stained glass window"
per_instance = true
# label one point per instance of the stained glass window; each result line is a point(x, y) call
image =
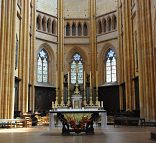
point(111, 66)
point(77, 69)
point(42, 66)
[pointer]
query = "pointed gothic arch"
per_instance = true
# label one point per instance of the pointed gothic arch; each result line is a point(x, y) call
point(101, 59)
point(44, 24)
point(85, 29)
point(50, 61)
point(73, 29)
point(109, 24)
point(114, 22)
point(54, 27)
point(104, 25)
point(79, 29)
point(38, 22)
point(76, 68)
point(49, 25)
point(67, 29)
point(99, 27)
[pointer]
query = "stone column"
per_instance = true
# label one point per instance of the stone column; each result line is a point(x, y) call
point(60, 54)
point(127, 53)
point(93, 51)
point(146, 61)
point(24, 57)
point(120, 62)
point(12, 60)
point(32, 55)
point(2, 26)
point(7, 49)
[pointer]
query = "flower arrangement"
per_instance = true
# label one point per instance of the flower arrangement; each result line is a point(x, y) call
point(78, 121)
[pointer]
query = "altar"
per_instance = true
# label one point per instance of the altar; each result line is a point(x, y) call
point(78, 120)
point(77, 117)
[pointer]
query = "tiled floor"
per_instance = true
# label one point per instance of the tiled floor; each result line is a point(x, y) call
point(109, 135)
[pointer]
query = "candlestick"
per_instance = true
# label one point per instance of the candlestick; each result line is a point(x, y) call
point(84, 88)
point(56, 80)
point(90, 78)
point(97, 79)
point(84, 80)
point(68, 79)
point(68, 88)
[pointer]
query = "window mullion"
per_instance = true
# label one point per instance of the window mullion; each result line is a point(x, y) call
point(111, 69)
point(42, 70)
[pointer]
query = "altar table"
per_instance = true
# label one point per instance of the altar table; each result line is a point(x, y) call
point(78, 120)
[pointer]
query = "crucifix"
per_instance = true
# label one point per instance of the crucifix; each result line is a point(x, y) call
point(77, 89)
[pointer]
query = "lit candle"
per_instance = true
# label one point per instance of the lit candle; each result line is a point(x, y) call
point(101, 103)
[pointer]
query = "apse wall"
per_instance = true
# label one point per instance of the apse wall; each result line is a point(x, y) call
point(76, 8)
point(76, 32)
point(46, 34)
point(105, 6)
point(47, 6)
point(106, 33)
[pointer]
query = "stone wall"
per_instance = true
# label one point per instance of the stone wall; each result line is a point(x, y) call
point(105, 6)
point(47, 6)
point(76, 8)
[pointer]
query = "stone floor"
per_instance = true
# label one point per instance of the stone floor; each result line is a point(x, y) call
point(121, 134)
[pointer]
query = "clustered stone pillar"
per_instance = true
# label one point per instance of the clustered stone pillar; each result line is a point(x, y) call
point(60, 55)
point(127, 44)
point(93, 51)
point(145, 48)
point(146, 61)
point(32, 55)
point(26, 44)
point(7, 58)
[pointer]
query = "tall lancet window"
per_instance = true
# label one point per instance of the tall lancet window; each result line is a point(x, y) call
point(111, 66)
point(77, 69)
point(42, 66)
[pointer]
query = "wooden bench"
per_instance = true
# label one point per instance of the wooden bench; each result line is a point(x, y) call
point(9, 123)
point(128, 121)
point(150, 123)
point(153, 136)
